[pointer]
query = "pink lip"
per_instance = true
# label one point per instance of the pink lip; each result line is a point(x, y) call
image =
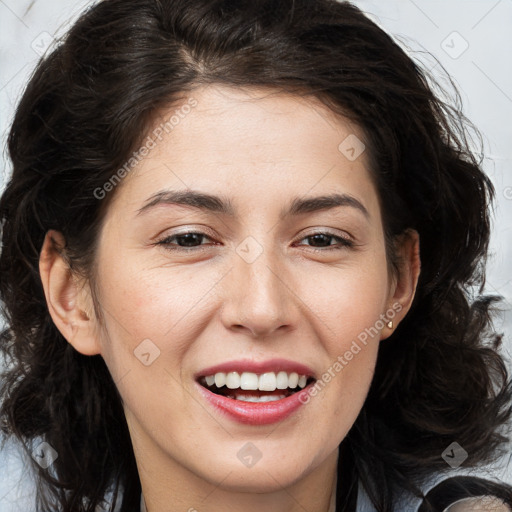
point(272, 365)
point(253, 413)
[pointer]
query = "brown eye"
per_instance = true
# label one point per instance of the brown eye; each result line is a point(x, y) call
point(183, 241)
point(322, 241)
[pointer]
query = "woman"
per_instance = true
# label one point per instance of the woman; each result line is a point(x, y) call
point(238, 249)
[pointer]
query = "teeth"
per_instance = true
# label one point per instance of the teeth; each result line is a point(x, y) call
point(233, 380)
point(282, 380)
point(220, 379)
point(264, 398)
point(269, 381)
point(249, 381)
point(293, 380)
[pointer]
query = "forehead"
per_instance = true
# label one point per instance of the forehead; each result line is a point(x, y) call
point(250, 144)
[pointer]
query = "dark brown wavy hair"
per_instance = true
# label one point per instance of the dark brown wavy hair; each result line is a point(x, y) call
point(439, 378)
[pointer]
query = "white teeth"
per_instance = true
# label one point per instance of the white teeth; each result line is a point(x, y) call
point(293, 380)
point(220, 379)
point(264, 398)
point(249, 381)
point(282, 380)
point(233, 380)
point(269, 381)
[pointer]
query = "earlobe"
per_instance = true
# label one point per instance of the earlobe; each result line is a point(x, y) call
point(68, 301)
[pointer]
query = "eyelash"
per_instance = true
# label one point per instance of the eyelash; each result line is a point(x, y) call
point(345, 242)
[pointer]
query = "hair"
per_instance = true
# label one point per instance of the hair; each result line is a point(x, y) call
point(439, 378)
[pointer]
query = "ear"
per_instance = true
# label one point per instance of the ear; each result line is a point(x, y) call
point(69, 299)
point(404, 283)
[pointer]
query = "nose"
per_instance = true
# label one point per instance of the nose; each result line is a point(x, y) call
point(258, 299)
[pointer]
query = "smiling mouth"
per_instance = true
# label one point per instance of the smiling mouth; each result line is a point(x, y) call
point(251, 387)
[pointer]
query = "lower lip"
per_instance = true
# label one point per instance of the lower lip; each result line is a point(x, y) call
point(254, 413)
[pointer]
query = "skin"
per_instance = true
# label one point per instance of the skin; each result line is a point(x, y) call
point(208, 306)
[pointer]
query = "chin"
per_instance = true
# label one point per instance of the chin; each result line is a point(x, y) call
point(257, 480)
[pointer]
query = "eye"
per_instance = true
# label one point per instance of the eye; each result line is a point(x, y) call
point(186, 241)
point(191, 240)
point(321, 240)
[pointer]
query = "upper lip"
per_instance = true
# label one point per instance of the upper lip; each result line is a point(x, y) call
point(259, 367)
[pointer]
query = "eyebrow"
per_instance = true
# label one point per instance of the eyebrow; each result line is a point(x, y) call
point(223, 205)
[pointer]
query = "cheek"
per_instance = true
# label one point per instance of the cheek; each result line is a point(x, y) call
point(150, 319)
point(349, 301)
point(160, 311)
point(150, 302)
point(350, 306)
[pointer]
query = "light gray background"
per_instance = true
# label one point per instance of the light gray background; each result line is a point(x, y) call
point(471, 39)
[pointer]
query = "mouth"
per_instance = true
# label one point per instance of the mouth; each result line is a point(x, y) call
point(255, 387)
point(256, 393)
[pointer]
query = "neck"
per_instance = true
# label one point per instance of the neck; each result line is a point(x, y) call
point(332, 502)
point(310, 493)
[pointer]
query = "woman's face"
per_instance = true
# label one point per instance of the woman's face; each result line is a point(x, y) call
point(247, 274)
